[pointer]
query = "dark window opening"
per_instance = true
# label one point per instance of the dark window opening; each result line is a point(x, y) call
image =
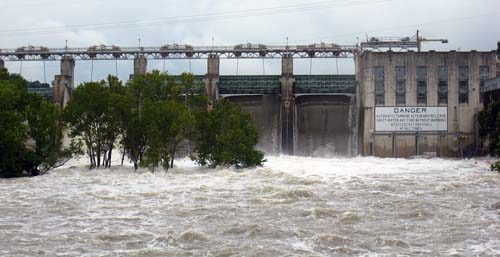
point(422, 85)
point(400, 85)
point(443, 85)
point(484, 74)
point(463, 85)
point(379, 78)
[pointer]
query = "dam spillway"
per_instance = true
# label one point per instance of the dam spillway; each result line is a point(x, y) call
point(322, 117)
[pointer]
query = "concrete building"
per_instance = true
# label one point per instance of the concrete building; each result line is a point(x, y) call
point(446, 82)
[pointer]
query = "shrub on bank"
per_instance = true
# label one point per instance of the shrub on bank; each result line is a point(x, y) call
point(30, 131)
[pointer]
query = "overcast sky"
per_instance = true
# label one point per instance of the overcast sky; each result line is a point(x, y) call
point(467, 24)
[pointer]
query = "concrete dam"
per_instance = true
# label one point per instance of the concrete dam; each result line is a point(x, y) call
point(320, 122)
point(326, 115)
point(307, 115)
point(319, 119)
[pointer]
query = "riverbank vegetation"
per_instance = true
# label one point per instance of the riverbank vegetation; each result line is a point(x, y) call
point(30, 129)
point(489, 130)
point(150, 120)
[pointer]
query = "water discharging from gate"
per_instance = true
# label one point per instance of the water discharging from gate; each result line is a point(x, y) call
point(323, 126)
point(323, 123)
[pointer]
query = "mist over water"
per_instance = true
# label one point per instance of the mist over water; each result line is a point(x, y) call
point(293, 206)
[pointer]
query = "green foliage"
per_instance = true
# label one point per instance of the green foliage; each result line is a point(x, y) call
point(45, 130)
point(152, 117)
point(94, 115)
point(161, 119)
point(227, 137)
point(30, 130)
point(496, 167)
point(489, 126)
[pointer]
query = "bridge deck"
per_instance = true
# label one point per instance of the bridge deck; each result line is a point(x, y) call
point(103, 52)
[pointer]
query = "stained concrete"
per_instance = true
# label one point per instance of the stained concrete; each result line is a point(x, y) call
point(323, 125)
point(140, 65)
point(265, 110)
point(462, 126)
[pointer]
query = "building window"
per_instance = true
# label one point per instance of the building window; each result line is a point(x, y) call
point(443, 85)
point(379, 78)
point(484, 74)
point(400, 85)
point(422, 85)
point(463, 84)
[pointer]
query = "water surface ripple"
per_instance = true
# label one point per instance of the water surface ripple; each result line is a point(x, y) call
point(290, 207)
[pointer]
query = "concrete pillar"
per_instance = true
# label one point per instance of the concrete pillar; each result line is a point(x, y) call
point(68, 69)
point(212, 80)
point(62, 90)
point(65, 82)
point(2, 64)
point(287, 105)
point(140, 65)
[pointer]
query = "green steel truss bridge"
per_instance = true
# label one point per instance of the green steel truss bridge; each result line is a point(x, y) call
point(271, 84)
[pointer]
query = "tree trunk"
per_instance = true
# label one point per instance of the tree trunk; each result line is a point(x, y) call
point(109, 156)
point(123, 155)
point(172, 157)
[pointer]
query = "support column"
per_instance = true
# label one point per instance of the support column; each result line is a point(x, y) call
point(2, 64)
point(68, 69)
point(287, 105)
point(140, 65)
point(212, 80)
point(64, 83)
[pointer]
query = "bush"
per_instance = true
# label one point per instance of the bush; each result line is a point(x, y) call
point(496, 166)
point(30, 131)
point(226, 137)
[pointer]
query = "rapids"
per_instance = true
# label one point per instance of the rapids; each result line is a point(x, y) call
point(292, 206)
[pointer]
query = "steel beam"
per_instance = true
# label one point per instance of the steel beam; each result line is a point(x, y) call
point(201, 52)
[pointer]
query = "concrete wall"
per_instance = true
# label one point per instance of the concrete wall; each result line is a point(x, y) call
point(324, 125)
point(462, 126)
point(265, 110)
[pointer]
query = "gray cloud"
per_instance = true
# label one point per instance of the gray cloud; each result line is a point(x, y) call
point(467, 24)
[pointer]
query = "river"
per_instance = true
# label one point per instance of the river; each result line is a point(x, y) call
point(293, 206)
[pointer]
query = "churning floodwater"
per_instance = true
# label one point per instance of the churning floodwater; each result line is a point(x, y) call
point(290, 207)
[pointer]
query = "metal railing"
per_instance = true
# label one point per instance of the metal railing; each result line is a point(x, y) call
point(186, 52)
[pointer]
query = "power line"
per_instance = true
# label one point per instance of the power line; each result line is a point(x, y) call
point(188, 19)
point(400, 27)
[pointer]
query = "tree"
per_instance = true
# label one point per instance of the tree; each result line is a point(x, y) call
point(225, 137)
point(161, 118)
point(489, 130)
point(30, 130)
point(94, 114)
point(45, 130)
point(489, 126)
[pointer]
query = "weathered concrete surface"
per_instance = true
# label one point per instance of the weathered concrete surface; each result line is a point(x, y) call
point(62, 90)
point(140, 65)
point(324, 125)
point(287, 105)
point(65, 82)
point(212, 80)
point(462, 127)
point(265, 110)
point(68, 69)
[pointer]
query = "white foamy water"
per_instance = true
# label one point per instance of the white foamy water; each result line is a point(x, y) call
point(290, 207)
